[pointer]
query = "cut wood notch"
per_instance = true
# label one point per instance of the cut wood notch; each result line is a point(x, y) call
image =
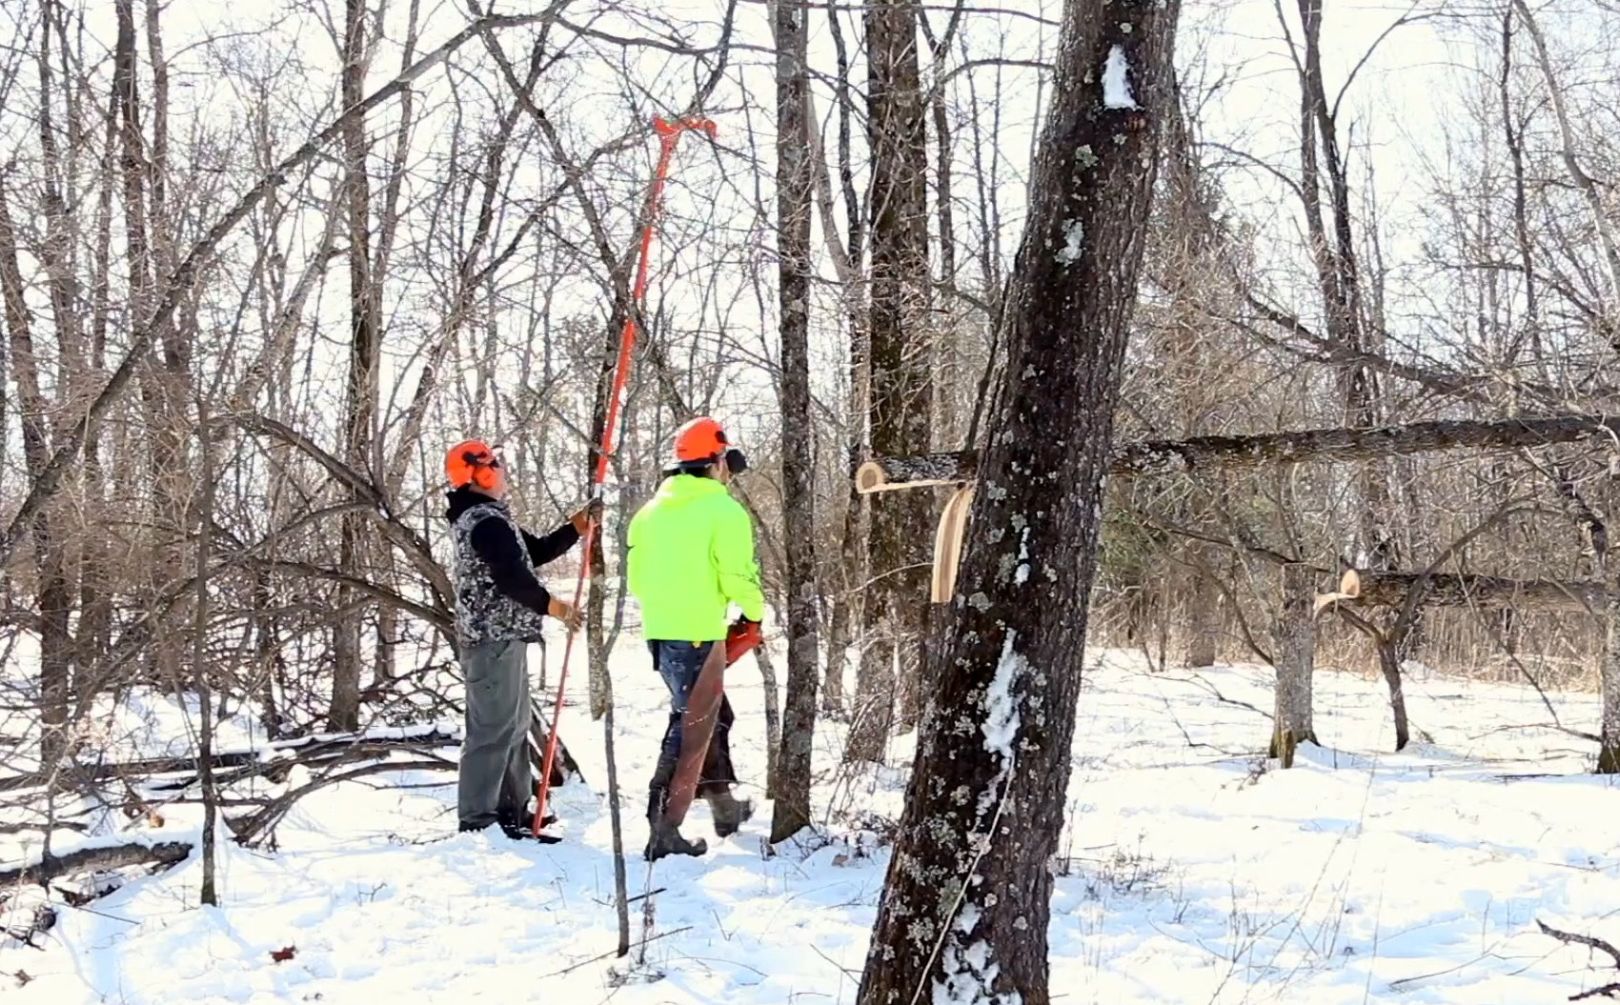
point(948, 544)
point(891, 474)
point(1349, 589)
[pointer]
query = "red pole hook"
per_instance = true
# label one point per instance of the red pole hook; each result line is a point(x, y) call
point(669, 135)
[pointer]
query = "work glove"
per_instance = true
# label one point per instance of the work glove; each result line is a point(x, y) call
point(743, 636)
point(565, 612)
point(592, 513)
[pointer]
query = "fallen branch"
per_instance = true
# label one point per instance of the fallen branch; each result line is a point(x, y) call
point(264, 761)
point(255, 828)
point(1572, 938)
point(121, 856)
point(1610, 990)
point(1203, 453)
point(273, 761)
point(1215, 692)
point(1390, 589)
point(40, 920)
point(27, 828)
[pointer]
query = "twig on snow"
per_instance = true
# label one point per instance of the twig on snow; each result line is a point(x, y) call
point(614, 952)
point(1611, 990)
point(1572, 938)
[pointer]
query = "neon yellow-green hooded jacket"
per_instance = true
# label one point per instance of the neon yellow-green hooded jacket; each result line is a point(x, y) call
point(692, 552)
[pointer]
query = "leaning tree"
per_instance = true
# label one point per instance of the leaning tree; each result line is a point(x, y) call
point(966, 901)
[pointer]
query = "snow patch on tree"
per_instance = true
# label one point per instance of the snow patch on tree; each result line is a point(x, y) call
point(968, 919)
point(1001, 706)
point(1116, 82)
point(1074, 240)
point(969, 974)
point(1001, 722)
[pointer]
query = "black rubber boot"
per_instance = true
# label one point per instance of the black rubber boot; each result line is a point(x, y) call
point(667, 840)
point(522, 829)
point(730, 813)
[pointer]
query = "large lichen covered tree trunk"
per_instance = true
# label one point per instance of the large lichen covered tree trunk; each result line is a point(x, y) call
point(967, 898)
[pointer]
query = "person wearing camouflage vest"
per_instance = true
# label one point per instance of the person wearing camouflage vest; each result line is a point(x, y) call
point(500, 608)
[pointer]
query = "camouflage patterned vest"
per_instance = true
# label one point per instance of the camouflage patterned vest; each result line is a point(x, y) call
point(483, 612)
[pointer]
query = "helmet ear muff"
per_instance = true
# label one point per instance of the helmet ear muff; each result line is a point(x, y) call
point(483, 469)
point(736, 461)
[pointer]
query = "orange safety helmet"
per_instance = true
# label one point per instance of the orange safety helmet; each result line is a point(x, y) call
point(699, 441)
point(472, 462)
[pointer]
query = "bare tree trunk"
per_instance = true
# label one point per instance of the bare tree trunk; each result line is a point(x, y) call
point(872, 712)
point(5, 396)
point(773, 724)
point(1389, 664)
point(1608, 562)
point(1296, 660)
point(850, 605)
point(199, 663)
point(841, 631)
point(1514, 134)
point(791, 779)
point(1609, 747)
point(267, 655)
point(599, 682)
point(851, 608)
point(163, 377)
point(902, 386)
point(364, 346)
point(621, 892)
point(947, 364)
point(95, 580)
point(1204, 617)
point(388, 622)
point(53, 594)
point(967, 900)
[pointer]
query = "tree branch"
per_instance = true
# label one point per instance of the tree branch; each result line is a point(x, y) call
point(178, 283)
point(1148, 458)
point(86, 859)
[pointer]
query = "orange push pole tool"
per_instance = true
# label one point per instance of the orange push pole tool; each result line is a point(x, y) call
point(669, 134)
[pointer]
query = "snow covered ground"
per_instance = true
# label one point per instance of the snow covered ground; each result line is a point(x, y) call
point(1191, 872)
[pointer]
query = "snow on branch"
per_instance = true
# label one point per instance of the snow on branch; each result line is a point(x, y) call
point(97, 857)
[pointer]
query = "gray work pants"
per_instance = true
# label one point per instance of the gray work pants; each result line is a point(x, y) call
point(495, 781)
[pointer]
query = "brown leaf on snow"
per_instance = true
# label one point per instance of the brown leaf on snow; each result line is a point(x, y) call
point(840, 859)
point(284, 954)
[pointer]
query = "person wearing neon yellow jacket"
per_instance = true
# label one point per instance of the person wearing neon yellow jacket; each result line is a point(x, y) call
point(691, 558)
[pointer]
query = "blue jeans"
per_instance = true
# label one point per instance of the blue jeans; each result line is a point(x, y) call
point(679, 663)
